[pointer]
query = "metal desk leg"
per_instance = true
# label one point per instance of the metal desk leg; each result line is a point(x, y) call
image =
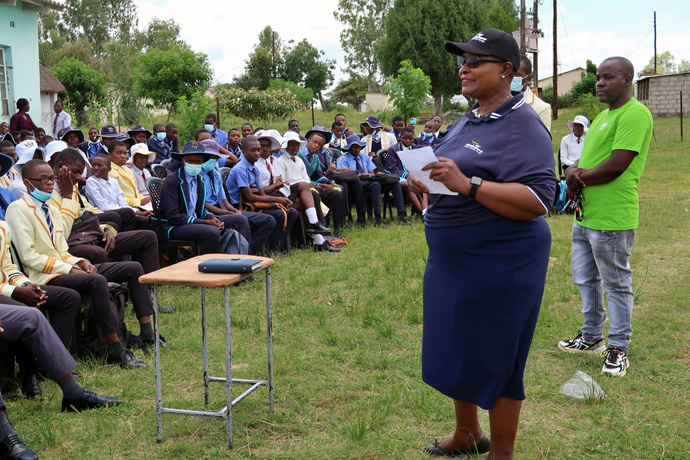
point(157, 360)
point(204, 341)
point(228, 365)
point(269, 330)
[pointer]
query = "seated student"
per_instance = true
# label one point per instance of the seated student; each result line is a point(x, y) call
point(28, 326)
point(343, 119)
point(227, 158)
point(354, 161)
point(44, 254)
point(93, 146)
point(398, 125)
point(7, 148)
point(247, 130)
point(338, 138)
point(139, 133)
point(171, 138)
point(244, 188)
point(157, 143)
point(139, 160)
point(108, 134)
point(25, 135)
point(438, 122)
point(47, 139)
point(39, 134)
point(6, 197)
point(101, 190)
point(183, 212)
point(74, 137)
point(4, 128)
point(395, 166)
point(427, 138)
point(234, 138)
point(211, 125)
point(376, 138)
point(15, 137)
point(124, 176)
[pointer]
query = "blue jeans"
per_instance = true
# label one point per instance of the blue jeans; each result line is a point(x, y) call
point(600, 260)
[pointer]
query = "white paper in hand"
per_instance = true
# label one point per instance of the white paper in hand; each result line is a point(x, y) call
point(414, 160)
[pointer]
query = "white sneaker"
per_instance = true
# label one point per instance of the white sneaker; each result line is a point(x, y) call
point(616, 362)
point(580, 346)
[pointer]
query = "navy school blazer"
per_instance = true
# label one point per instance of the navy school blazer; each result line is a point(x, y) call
point(174, 201)
point(394, 164)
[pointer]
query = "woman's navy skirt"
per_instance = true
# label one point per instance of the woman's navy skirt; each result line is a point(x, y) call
point(483, 287)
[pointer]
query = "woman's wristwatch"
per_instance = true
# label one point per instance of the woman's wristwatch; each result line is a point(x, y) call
point(475, 183)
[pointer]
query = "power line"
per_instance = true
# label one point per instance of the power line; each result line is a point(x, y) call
point(643, 39)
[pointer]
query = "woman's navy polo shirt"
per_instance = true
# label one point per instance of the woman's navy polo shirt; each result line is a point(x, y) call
point(508, 145)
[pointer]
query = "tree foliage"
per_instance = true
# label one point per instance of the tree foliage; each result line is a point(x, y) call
point(98, 22)
point(166, 76)
point(351, 91)
point(261, 65)
point(254, 104)
point(83, 84)
point(191, 110)
point(303, 95)
point(362, 35)
point(408, 90)
point(588, 83)
point(665, 64)
point(303, 65)
point(503, 15)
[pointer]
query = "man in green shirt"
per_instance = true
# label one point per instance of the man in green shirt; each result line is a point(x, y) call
point(613, 158)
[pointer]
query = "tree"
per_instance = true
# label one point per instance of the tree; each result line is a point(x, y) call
point(417, 30)
point(83, 84)
point(259, 105)
point(503, 15)
point(303, 95)
point(166, 76)
point(408, 90)
point(351, 91)
point(191, 110)
point(303, 65)
point(665, 64)
point(362, 34)
point(588, 83)
point(261, 65)
point(159, 34)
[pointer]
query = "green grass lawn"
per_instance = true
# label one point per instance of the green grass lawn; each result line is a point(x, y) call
point(347, 340)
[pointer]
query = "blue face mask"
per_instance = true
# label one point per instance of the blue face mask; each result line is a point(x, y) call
point(209, 165)
point(192, 170)
point(160, 136)
point(516, 84)
point(427, 134)
point(209, 128)
point(41, 196)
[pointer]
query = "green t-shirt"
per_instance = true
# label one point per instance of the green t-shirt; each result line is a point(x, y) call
point(615, 205)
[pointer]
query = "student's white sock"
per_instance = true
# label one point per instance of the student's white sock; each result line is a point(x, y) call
point(318, 239)
point(311, 215)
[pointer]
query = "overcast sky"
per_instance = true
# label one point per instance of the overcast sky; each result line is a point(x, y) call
point(587, 29)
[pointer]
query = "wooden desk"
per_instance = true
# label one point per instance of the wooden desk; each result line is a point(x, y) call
point(187, 274)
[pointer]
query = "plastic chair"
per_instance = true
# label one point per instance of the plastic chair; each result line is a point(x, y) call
point(159, 171)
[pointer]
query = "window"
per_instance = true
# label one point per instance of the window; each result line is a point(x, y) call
point(4, 86)
point(643, 89)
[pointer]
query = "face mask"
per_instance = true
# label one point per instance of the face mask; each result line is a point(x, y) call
point(192, 170)
point(41, 196)
point(516, 84)
point(160, 136)
point(209, 165)
point(209, 128)
point(427, 134)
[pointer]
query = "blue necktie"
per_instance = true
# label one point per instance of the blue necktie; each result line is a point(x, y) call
point(46, 211)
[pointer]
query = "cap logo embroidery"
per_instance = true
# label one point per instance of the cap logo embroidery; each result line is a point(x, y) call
point(479, 37)
point(475, 147)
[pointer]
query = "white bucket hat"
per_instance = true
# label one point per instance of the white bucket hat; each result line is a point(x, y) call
point(272, 135)
point(53, 148)
point(140, 149)
point(582, 120)
point(293, 136)
point(25, 151)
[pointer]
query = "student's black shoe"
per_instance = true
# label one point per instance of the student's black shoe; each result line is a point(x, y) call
point(480, 447)
point(127, 360)
point(379, 223)
point(361, 223)
point(89, 400)
point(317, 228)
point(162, 309)
point(30, 388)
point(404, 220)
point(326, 246)
point(12, 448)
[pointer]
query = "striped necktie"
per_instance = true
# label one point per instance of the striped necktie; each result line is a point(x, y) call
point(46, 211)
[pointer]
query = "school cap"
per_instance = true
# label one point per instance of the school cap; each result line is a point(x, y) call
point(73, 129)
point(109, 131)
point(490, 42)
point(141, 149)
point(373, 122)
point(139, 129)
point(320, 129)
point(353, 140)
point(5, 164)
point(53, 148)
point(293, 136)
point(581, 120)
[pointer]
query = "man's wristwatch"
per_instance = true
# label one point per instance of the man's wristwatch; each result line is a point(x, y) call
point(475, 183)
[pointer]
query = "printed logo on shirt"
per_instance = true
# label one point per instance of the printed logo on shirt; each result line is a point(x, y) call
point(474, 146)
point(479, 37)
point(604, 126)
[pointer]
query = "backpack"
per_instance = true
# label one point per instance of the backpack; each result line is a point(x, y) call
point(231, 242)
point(560, 200)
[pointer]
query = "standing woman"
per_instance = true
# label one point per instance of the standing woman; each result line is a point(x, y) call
point(22, 119)
point(488, 249)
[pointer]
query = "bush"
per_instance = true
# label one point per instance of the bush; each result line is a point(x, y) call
point(591, 105)
point(192, 112)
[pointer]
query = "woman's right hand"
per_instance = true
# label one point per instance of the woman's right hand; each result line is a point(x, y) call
point(415, 186)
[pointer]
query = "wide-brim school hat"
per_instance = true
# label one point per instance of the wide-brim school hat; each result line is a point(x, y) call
point(372, 122)
point(139, 129)
point(490, 42)
point(126, 138)
point(141, 149)
point(273, 136)
point(6, 164)
point(321, 130)
point(293, 136)
point(353, 140)
point(53, 148)
point(8, 137)
point(25, 151)
point(210, 147)
point(581, 120)
point(73, 129)
point(109, 131)
point(189, 148)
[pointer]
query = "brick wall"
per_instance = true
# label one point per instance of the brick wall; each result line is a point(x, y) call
point(661, 94)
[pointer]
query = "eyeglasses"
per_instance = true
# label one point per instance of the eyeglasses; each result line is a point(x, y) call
point(43, 179)
point(472, 61)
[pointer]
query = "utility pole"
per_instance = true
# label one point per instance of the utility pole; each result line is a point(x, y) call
point(522, 27)
point(535, 28)
point(554, 101)
point(655, 43)
point(273, 37)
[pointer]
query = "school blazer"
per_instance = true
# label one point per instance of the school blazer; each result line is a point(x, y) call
point(43, 257)
point(174, 202)
point(388, 140)
point(71, 209)
point(394, 164)
point(125, 178)
point(10, 276)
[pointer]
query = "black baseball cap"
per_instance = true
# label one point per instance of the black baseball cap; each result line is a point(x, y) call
point(491, 42)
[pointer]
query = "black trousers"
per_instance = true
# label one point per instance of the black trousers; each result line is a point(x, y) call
point(294, 194)
point(207, 237)
point(124, 220)
point(335, 200)
point(278, 235)
point(95, 286)
point(141, 245)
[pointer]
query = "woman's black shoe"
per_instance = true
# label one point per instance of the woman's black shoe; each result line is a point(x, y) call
point(480, 447)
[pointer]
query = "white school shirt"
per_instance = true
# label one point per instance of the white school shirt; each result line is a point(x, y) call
point(266, 174)
point(64, 120)
point(295, 171)
point(105, 194)
point(140, 180)
point(570, 149)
